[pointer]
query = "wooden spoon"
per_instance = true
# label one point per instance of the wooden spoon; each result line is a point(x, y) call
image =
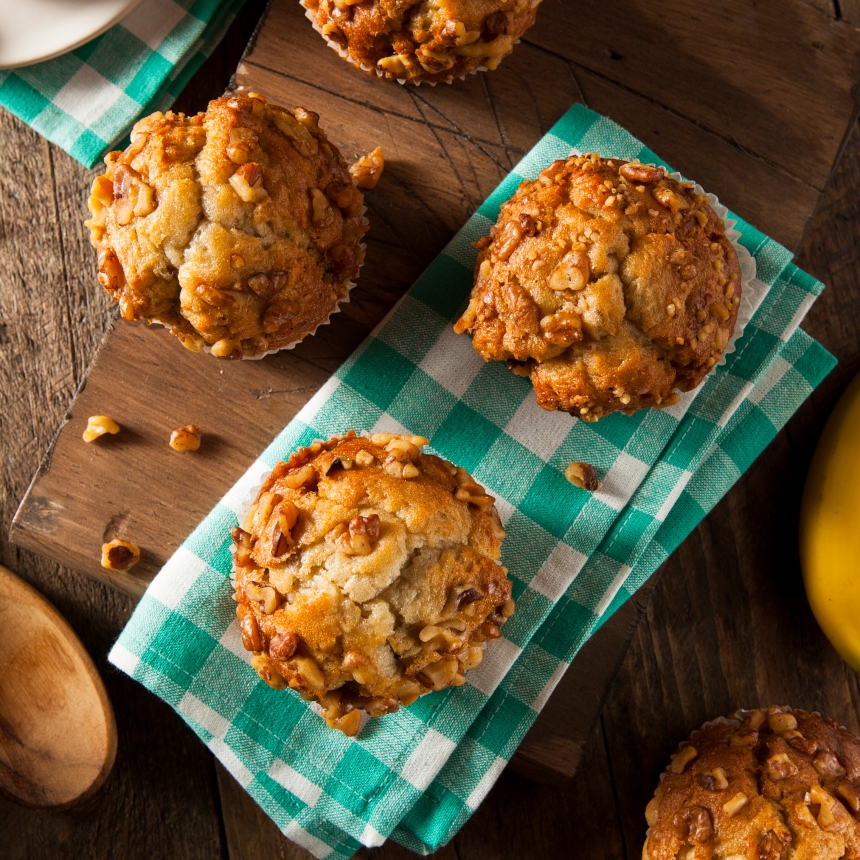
point(57, 729)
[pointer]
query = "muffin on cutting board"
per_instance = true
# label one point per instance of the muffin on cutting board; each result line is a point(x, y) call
point(239, 228)
point(368, 574)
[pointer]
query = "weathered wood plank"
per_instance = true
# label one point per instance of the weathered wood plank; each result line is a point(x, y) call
point(137, 487)
point(749, 74)
point(850, 11)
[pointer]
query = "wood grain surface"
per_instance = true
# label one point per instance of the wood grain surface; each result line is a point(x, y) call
point(728, 625)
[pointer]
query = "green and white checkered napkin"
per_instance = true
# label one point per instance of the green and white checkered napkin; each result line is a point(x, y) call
point(574, 557)
point(86, 101)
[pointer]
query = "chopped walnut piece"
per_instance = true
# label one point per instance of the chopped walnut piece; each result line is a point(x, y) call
point(780, 766)
point(634, 172)
point(366, 172)
point(474, 494)
point(263, 667)
point(682, 759)
point(693, 824)
point(283, 645)
point(264, 595)
point(736, 804)
point(714, 780)
point(360, 536)
point(120, 554)
point(186, 438)
point(98, 425)
point(827, 764)
point(252, 639)
point(582, 475)
point(247, 182)
point(799, 742)
point(364, 458)
point(850, 794)
point(780, 722)
point(470, 595)
point(744, 738)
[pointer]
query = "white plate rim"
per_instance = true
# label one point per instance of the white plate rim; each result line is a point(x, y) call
point(75, 43)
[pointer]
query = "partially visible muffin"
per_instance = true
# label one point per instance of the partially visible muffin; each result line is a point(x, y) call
point(779, 784)
point(609, 283)
point(422, 40)
point(367, 574)
point(239, 228)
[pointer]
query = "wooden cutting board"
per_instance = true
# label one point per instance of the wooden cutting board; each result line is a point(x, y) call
point(752, 98)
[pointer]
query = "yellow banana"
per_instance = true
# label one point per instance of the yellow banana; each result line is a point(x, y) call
point(830, 528)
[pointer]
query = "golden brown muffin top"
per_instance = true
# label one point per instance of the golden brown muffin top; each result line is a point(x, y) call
point(238, 228)
point(763, 785)
point(609, 283)
point(422, 40)
point(367, 575)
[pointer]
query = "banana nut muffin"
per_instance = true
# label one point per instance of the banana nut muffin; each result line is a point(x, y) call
point(367, 574)
point(422, 40)
point(239, 228)
point(778, 784)
point(609, 283)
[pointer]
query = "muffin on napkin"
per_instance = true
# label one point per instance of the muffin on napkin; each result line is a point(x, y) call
point(779, 784)
point(609, 283)
point(417, 42)
point(367, 574)
point(239, 228)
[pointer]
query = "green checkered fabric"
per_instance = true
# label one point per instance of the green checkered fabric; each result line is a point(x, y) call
point(574, 557)
point(86, 101)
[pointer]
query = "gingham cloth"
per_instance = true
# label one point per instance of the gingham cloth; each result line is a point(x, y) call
point(574, 557)
point(86, 101)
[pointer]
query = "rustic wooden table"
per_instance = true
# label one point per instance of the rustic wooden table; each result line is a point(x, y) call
point(728, 624)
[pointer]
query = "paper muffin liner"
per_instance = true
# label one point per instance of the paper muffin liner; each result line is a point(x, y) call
point(373, 70)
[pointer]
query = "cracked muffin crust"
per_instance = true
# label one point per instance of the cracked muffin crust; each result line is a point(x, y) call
point(239, 228)
point(609, 283)
point(367, 574)
point(422, 40)
point(779, 784)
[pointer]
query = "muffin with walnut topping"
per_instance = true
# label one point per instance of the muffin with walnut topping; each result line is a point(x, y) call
point(239, 228)
point(779, 784)
point(419, 41)
point(609, 283)
point(367, 574)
